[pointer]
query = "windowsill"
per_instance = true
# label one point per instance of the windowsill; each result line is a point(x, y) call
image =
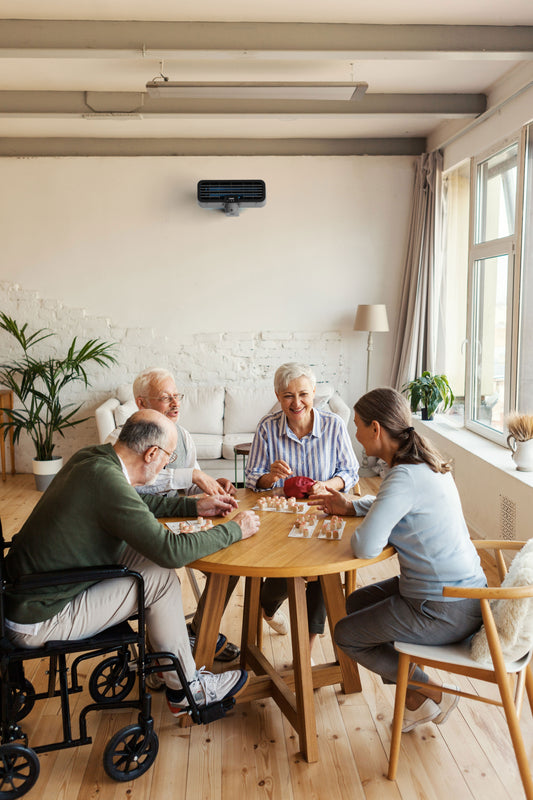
point(494, 454)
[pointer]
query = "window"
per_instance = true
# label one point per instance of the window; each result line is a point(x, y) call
point(489, 286)
point(490, 390)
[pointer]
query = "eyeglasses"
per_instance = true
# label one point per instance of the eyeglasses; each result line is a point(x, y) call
point(171, 456)
point(168, 398)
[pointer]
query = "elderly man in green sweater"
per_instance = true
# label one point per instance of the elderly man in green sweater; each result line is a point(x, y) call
point(91, 515)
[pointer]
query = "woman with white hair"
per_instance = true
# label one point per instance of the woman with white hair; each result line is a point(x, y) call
point(299, 440)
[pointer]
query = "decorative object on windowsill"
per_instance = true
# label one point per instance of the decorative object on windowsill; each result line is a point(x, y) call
point(520, 440)
point(371, 318)
point(428, 393)
point(38, 383)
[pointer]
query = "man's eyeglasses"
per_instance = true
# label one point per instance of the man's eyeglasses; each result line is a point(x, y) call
point(168, 398)
point(171, 456)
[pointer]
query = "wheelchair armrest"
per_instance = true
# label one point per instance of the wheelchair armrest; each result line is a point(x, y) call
point(40, 580)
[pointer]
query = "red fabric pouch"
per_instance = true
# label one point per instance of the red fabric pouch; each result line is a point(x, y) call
point(298, 487)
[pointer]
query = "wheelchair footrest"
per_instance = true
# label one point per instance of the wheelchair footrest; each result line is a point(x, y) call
point(213, 711)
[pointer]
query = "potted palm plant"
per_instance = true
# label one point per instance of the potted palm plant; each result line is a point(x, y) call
point(38, 384)
point(428, 392)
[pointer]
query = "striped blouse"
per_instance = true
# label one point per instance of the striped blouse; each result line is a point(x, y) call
point(324, 453)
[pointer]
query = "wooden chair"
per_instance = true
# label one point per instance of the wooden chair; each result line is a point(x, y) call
point(456, 658)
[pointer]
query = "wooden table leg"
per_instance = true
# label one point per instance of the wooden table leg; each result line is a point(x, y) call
point(2, 446)
point(336, 608)
point(305, 701)
point(6, 401)
point(206, 639)
point(350, 579)
point(250, 616)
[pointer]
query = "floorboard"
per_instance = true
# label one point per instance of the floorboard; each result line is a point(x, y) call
point(253, 753)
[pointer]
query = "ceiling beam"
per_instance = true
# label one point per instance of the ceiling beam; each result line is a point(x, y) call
point(98, 38)
point(39, 147)
point(34, 102)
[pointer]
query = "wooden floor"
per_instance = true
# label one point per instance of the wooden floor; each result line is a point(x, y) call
point(253, 752)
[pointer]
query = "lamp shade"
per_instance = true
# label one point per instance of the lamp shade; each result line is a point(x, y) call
point(371, 318)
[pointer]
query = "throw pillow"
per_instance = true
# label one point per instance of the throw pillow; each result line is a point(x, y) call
point(513, 618)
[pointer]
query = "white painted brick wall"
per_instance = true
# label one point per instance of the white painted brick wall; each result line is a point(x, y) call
point(212, 358)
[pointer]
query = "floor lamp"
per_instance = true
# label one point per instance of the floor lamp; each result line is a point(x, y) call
point(371, 318)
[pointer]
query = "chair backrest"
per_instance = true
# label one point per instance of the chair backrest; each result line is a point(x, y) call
point(513, 617)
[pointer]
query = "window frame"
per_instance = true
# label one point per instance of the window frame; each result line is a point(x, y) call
point(509, 246)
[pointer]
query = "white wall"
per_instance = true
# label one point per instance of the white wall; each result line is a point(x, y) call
point(496, 498)
point(119, 248)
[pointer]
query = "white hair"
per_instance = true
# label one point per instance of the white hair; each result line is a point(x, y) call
point(290, 372)
point(145, 379)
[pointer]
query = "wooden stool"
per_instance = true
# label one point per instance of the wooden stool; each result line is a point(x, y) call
point(241, 450)
point(6, 401)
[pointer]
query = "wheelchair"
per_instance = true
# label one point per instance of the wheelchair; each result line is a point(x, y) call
point(133, 749)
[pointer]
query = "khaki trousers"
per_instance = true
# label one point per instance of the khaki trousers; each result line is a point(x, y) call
point(109, 602)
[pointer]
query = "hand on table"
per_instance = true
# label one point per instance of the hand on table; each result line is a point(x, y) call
point(318, 488)
point(215, 506)
point(208, 484)
point(249, 523)
point(333, 502)
point(226, 485)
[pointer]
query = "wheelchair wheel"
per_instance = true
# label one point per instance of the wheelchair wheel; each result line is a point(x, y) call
point(130, 753)
point(19, 769)
point(21, 700)
point(111, 680)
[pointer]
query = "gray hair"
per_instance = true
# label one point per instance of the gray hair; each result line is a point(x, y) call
point(145, 379)
point(290, 372)
point(138, 434)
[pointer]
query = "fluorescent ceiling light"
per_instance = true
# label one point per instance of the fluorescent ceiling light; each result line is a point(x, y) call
point(258, 91)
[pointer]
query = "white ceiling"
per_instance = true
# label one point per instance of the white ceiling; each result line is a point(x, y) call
point(75, 82)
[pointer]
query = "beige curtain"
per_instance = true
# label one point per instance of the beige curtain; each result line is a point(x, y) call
point(420, 314)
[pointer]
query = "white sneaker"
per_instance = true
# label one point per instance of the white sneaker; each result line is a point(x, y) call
point(447, 703)
point(427, 712)
point(208, 688)
point(278, 623)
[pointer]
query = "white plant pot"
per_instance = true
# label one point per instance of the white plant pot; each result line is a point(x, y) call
point(522, 453)
point(44, 471)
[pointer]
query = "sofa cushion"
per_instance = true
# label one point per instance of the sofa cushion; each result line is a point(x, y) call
point(124, 393)
point(231, 439)
point(124, 411)
point(245, 405)
point(202, 409)
point(208, 445)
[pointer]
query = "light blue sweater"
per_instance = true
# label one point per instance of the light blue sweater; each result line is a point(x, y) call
point(419, 513)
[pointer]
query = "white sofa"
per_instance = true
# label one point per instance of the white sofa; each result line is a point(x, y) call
point(217, 417)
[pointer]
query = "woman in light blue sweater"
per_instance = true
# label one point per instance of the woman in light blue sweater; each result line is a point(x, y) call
point(418, 511)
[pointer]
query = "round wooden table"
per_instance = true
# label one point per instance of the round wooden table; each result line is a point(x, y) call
point(272, 553)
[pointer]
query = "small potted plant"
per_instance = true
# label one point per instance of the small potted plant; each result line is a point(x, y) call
point(38, 383)
point(520, 440)
point(428, 392)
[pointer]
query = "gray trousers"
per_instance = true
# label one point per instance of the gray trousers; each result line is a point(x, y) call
point(378, 616)
point(109, 602)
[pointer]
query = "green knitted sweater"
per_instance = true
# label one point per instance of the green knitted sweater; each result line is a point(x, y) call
point(86, 518)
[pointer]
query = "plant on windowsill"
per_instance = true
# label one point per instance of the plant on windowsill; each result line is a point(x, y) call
point(38, 383)
point(520, 440)
point(428, 393)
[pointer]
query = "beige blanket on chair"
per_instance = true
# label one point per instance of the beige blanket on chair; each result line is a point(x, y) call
point(513, 618)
